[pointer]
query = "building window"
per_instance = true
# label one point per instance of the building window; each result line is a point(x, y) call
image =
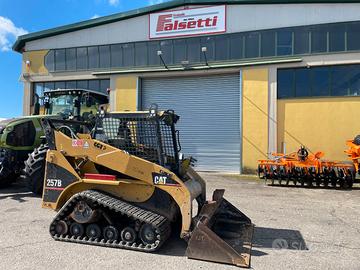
point(302, 82)
point(95, 85)
point(285, 83)
point(104, 53)
point(341, 80)
point(318, 40)
point(298, 40)
point(301, 41)
point(81, 58)
point(153, 58)
point(50, 61)
point(252, 45)
point(193, 50)
point(221, 48)
point(284, 43)
point(93, 56)
point(337, 38)
point(267, 43)
point(60, 60)
point(166, 47)
point(353, 33)
point(116, 56)
point(82, 84)
point(38, 93)
point(140, 54)
point(71, 59)
point(128, 55)
point(59, 85)
point(236, 46)
point(70, 85)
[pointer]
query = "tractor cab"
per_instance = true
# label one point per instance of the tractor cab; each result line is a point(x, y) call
point(72, 103)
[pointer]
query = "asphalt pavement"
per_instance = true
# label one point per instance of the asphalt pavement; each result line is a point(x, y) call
point(296, 228)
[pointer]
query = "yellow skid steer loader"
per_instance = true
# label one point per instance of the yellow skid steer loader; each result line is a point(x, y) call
point(125, 185)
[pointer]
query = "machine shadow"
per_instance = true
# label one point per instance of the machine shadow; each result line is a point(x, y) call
point(17, 191)
point(279, 239)
point(263, 238)
point(174, 247)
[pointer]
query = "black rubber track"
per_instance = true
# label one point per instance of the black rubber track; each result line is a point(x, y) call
point(35, 169)
point(124, 209)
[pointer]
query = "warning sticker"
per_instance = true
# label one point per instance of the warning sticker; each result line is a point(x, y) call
point(77, 143)
point(86, 145)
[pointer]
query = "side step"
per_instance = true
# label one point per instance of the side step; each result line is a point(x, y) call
point(222, 234)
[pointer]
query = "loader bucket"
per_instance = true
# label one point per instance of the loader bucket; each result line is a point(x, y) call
point(222, 233)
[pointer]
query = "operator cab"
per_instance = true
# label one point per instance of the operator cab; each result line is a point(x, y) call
point(73, 103)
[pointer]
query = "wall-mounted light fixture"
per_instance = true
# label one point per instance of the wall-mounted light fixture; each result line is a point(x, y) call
point(27, 64)
point(159, 53)
point(204, 50)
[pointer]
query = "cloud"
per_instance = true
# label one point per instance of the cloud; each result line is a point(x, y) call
point(155, 2)
point(113, 2)
point(95, 16)
point(8, 33)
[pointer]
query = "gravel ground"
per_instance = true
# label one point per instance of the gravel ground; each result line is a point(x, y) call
point(295, 229)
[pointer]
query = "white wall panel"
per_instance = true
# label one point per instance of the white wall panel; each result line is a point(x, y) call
point(240, 18)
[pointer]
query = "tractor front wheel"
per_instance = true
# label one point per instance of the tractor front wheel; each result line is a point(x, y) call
point(35, 169)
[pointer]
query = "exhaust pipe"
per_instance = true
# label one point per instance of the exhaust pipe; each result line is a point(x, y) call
point(222, 233)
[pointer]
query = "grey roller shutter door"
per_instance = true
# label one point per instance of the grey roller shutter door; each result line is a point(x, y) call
point(209, 109)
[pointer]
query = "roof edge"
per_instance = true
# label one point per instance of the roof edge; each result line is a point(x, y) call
point(21, 40)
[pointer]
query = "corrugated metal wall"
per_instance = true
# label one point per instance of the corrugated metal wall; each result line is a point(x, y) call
point(209, 109)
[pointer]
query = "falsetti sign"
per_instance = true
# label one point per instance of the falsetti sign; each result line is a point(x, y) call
point(187, 22)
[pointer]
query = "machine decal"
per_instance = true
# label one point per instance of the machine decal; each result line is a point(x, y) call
point(163, 179)
point(99, 146)
point(77, 143)
point(53, 183)
point(86, 145)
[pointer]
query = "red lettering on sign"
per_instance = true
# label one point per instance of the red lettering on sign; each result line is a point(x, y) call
point(162, 20)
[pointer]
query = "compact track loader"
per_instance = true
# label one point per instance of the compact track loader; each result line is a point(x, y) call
point(126, 186)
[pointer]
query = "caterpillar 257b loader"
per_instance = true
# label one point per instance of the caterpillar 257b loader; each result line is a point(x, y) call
point(125, 185)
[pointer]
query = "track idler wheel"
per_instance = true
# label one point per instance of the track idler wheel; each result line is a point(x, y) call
point(61, 228)
point(93, 231)
point(83, 213)
point(147, 234)
point(77, 229)
point(128, 234)
point(111, 233)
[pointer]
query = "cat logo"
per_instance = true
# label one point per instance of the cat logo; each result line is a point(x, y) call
point(163, 179)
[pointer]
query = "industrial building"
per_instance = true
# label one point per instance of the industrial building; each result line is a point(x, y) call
point(247, 77)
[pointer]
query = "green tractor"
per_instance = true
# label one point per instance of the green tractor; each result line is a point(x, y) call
point(19, 137)
point(22, 143)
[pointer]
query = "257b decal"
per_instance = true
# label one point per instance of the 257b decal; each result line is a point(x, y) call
point(53, 183)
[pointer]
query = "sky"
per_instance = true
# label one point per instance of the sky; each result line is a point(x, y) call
point(18, 17)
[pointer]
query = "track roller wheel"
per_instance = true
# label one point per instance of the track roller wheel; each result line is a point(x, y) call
point(93, 231)
point(147, 234)
point(128, 234)
point(111, 233)
point(61, 228)
point(77, 229)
